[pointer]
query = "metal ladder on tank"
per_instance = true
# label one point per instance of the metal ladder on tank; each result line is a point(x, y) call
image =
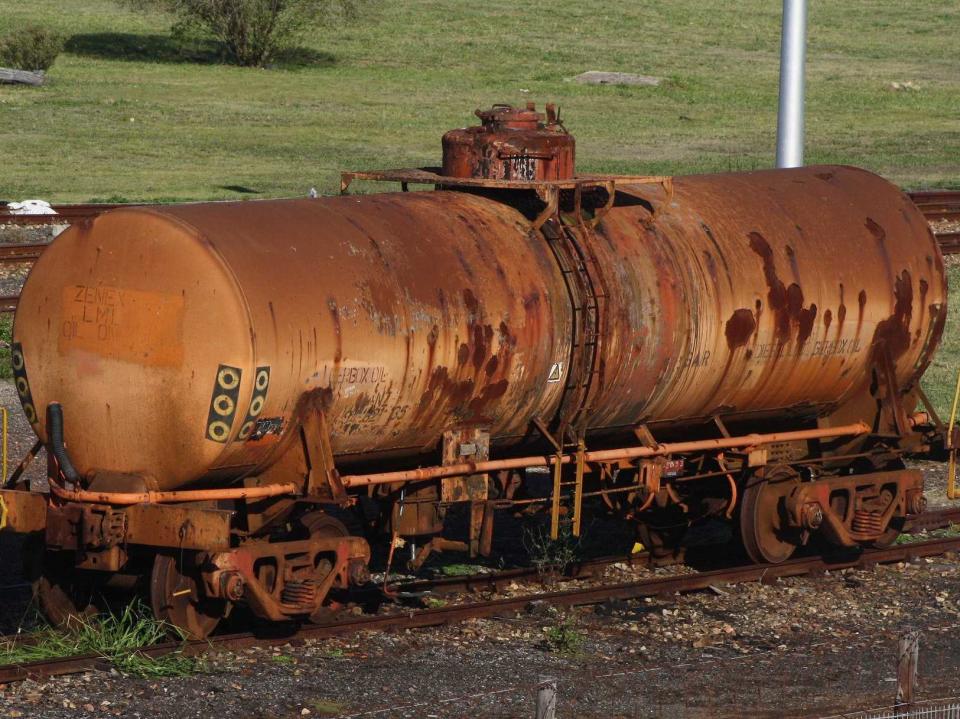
point(572, 245)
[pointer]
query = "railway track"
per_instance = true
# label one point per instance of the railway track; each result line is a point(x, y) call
point(400, 618)
point(949, 242)
point(65, 214)
point(938, 204)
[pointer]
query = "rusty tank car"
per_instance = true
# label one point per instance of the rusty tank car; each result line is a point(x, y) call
point(239, 399)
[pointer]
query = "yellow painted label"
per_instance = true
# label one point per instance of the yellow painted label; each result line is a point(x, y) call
point(129, 325)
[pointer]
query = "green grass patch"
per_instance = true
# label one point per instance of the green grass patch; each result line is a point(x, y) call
point(459, 570)
point(130, 114)
point(117, 638)
point(939, 381)
point(327, 708)
point(564, 637)
point(945, 533)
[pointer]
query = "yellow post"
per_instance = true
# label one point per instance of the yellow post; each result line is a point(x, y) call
point(578, 487)
point(952, 459)
point(5, 413)
point(555, 509)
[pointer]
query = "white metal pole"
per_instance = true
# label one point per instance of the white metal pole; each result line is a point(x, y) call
point(793, 50)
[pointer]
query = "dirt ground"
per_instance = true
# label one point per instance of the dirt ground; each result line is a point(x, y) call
point(799, 647)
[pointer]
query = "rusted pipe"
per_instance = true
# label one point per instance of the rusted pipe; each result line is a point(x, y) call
point(196, 495)
point(603, 455)
point(647, 502)
point(733, 495)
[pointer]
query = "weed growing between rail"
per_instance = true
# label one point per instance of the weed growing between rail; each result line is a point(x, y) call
point(946, 533)
point(551, 556)
point(117, 638)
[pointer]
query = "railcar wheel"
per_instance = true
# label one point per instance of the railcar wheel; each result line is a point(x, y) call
point(663, 542)
point(763, 520)
point(176, 598)
point(322, 525)
point(889, 535)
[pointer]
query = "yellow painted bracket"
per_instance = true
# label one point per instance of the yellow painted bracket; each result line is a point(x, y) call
point(952, 457)
point(3, 481)
point(555, 507)
point(3, 513)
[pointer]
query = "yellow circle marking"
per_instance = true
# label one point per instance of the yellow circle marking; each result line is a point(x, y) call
point(22, 387)
point(30, 412)
point(262, 380)
point(228, 378)
point(246, 430)
point(218, 430)
point(17, 360)
point(256, 406)
point(223, 405)
point(3, 513)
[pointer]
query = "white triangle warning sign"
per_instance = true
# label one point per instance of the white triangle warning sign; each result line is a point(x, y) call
point(556, 372)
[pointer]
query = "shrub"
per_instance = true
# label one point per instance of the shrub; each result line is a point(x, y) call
point(31, 48)
point(253, 32)
point(551, 556)
point(564, 638)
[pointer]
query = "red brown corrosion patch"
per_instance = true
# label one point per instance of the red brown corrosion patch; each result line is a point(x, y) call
point(876, 230)
point(786, 302)
point(893, 333)
point(776, 290)
point(740, 328)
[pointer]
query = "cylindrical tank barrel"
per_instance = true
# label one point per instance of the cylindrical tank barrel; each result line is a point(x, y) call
point(770, 290)
point(187, 341)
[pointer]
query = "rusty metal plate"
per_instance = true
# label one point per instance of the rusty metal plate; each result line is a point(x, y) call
point(163, 525)
point(22, 512)
point(465, 445)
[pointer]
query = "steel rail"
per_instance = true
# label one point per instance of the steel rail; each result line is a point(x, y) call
point(21, 253)
point(949, 241)
point(65, 214)
point(421, 618)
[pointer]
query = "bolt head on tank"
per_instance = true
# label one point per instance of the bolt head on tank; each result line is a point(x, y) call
point(511, 144)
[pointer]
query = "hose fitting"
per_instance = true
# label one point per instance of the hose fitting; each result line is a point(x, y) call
point(55, 439)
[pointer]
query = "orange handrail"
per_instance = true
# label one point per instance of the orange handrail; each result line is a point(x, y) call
point(189, 495)
point(603, 455)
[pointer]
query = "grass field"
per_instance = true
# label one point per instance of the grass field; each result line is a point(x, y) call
point(940, 378)
point(125, 118)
